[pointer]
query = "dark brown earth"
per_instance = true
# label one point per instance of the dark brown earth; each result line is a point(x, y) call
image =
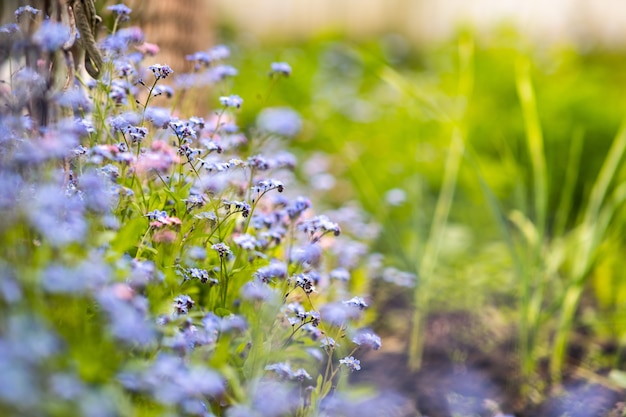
point(470, 369)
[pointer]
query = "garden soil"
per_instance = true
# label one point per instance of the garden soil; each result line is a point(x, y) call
point(471, 369)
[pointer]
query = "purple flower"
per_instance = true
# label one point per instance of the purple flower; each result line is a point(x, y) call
point(245, 241)
point(282, 369)
point(233, 322)
point(136, 133)
point(298, 312)
point(119, 91)
point(266, 185)
point(122, 39)
point(351, 363)
point(95, 191)
point(222, 250)
point(128, 314)
point(200, 59)
point(59, 218)
point(84, 277)
point(194, 201)
point(275, 269)
point(281, 121)
point(318, 226)
point(328, 342)
point(9, 28)
point(160, 71)
point(10, 289)
point(159, 117)
point(219, 52)
point(165, 90)
point(66, 386)
point(183, 303)
point(398, 277)
point(308, 255)
point(26, 9)
point(171, 381)
point(283, 160)
point(357, 302)
point(237, 207)
point(258, 162)
point(220, 73)
point(281, 68)
point(340, 274)
point(51, 35)
point(74, 98)
point(143, 273)
point(305, 281)
point(122, 11)
point(184, 130)
point(10, 184)
point(338, 313)
point(231, 101)
point(367, 338)
point(125, 69)
point(201, 275)
point(122, 122)
point(274, 399)
point(256, 290)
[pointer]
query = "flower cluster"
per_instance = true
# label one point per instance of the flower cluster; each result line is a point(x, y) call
point(176, 259)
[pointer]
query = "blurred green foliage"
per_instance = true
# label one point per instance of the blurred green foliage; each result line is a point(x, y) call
point(383, 111)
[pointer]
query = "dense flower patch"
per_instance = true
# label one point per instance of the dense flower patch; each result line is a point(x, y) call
point(161, 263)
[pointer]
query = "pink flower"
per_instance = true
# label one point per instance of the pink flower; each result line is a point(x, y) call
point(159, 158)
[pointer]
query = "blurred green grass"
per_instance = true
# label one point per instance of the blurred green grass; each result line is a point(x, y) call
point(382, 111)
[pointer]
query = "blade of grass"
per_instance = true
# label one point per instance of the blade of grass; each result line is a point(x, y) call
point(432, 247)
point(532, 278)
point(569, 183)
point(430, 256)
point(595, 223)
point(534, 138)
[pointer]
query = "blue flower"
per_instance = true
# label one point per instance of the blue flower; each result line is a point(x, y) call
point(200, 59)
point(161, 71)
point(222, 250)
point(282, 121)
point(367, 338)
point(357, 302)
point(26, 9)
point(351, 363)
point(51, 35)
point(160, 117)
point(257, 290)
point(308, 255)
point(219, 52)
point(281, 68)
point(338, 313)
point(183, 303)
point(59, 218)
point(219, 73)
point(245, 241)
point(128, 314)
point(231, 101)
point(119, 42)
point(266, 185)
point(161, 90)
point(340, 274)
point(282, 369)
point(122, 11)
point(275, 269)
